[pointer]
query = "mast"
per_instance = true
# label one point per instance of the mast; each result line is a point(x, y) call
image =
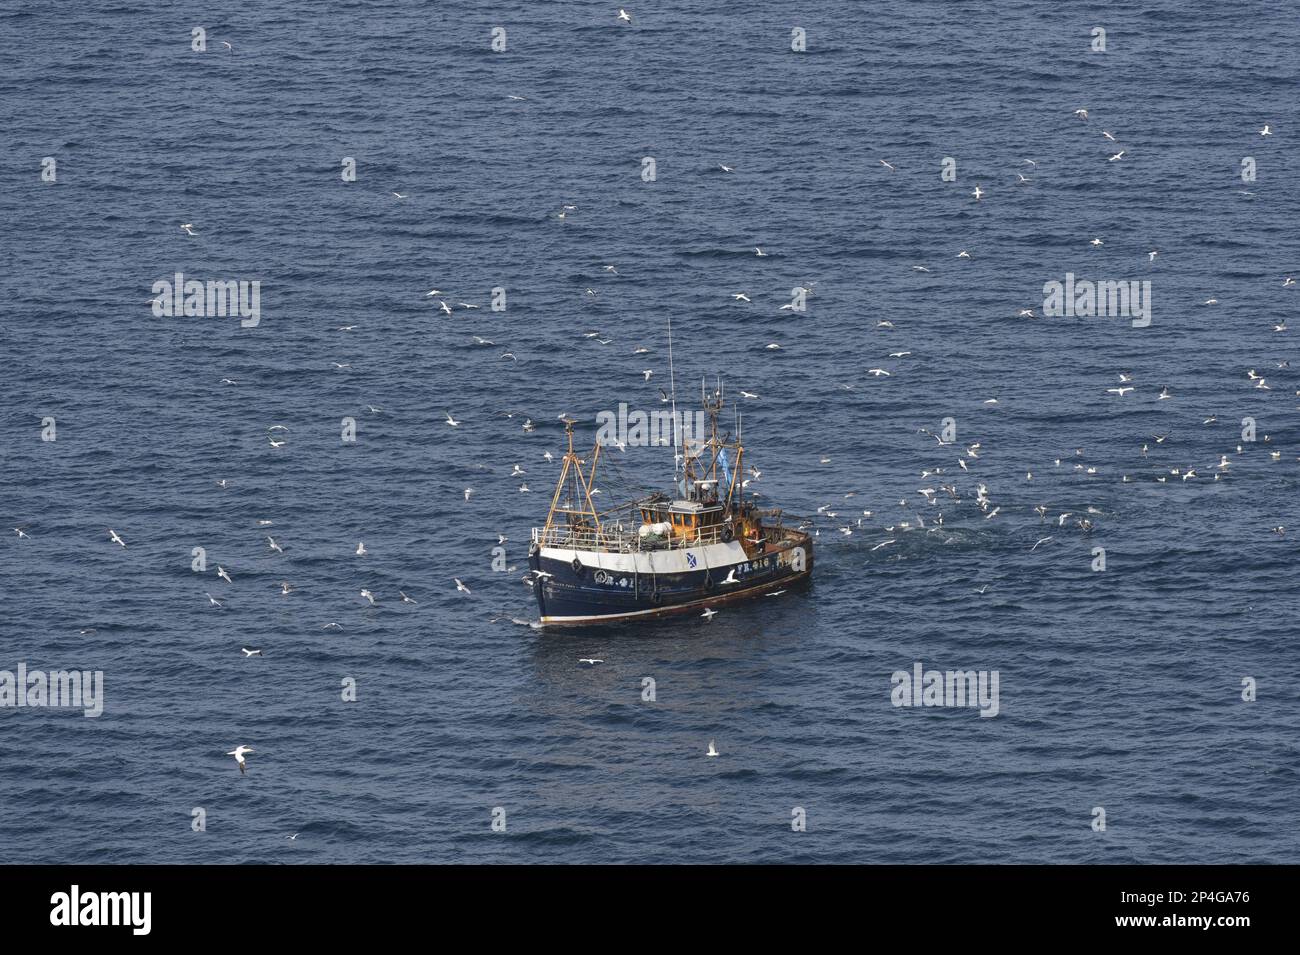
point(577, 487)
point(672, 388)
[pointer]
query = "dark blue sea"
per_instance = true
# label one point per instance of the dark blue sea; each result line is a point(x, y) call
point(1120, 689)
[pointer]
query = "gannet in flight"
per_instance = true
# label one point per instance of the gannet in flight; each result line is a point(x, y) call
point(238, 752)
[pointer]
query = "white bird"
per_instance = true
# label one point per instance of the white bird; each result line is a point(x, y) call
point(444, 307)
point(1081, 113)
point(405, 599)
point(1266, 131)
point(399, 195)
point(713, 750)
point(452, 421)
point(250, 653)
point(238, 752)
point(724, 167)
point(112, 535)
point(188, 228)
point(977, 192)
point(740, 296)
point(460, 586)
point(468, 492)
point(221, 572)
point(270, 542)
point(1118, 155)
point(709, 614)
point(624, 15)
point(887, 166)
point(758, 251)
point(361, 549)
point(285, 589)
point(878, 372)
point(20, 533)
point(1118, 391)
point(212, 600)
point(1096, 242)
point(369, 596)
point(1041, 540)
point(730, 578)
point(593, 661)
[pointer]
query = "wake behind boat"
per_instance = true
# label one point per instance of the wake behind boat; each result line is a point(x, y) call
point(700, 547)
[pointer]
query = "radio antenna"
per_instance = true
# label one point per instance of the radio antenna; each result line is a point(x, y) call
point(672, 388)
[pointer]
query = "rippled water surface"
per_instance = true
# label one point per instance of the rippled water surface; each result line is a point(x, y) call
point(1119, 689)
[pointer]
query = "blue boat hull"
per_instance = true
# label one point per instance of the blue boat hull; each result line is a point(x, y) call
point(570, 593)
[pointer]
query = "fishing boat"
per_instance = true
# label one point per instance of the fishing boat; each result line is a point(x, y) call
point(702, 546)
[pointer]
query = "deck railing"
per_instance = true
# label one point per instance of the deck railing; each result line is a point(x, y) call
point(619, 539)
